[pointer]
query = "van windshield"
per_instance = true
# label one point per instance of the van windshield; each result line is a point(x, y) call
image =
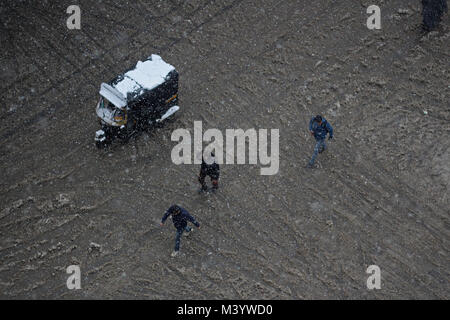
point(109, 112)
point(105, 104)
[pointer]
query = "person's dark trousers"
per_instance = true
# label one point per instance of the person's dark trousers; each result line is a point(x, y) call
point(432, 12)
point(214, 180)
point(201, 179)
point(178, 236)
point(318, 148)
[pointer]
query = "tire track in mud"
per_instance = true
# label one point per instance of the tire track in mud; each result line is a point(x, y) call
point(360, 183)
point(329, 261)
point(393, 254)
point(203, 243)
point(30, 120)
point(134, 35)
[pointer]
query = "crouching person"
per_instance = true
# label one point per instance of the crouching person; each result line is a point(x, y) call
point(180, 217)
point(212, 170)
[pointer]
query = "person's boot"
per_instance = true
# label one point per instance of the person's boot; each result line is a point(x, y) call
point(174, 254)
point(310, 165)
point(203, 188)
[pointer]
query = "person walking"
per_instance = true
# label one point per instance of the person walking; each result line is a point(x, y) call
point(180, 217)
point(212, 170)
point(432, 12)
point(319, 127)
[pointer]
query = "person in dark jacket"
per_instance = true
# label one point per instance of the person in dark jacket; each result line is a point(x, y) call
point(180, 217)
point(432, 11)
point(212, 170)
point(319, 127)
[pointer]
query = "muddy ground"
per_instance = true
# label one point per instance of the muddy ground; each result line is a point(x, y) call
point(380, 193)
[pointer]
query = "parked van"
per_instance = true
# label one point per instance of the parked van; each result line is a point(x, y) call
point(136, 99)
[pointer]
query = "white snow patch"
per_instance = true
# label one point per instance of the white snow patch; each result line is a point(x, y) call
point(126, 85)
point(148, 74)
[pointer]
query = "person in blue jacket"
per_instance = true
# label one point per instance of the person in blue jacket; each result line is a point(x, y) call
point(180, 217)
point(319, 127)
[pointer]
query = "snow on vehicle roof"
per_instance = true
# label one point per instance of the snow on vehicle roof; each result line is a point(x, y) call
point(146, 75)
point(126, 85)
